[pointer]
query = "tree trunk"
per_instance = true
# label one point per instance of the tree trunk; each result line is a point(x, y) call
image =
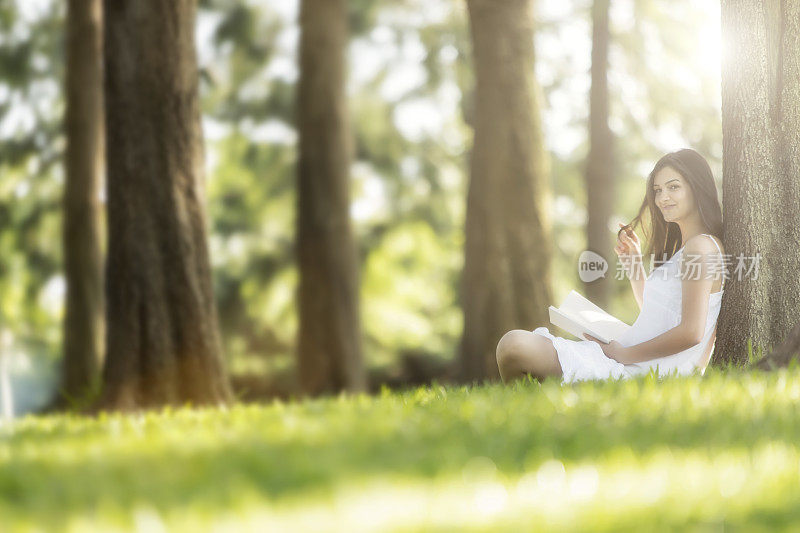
point(506, 278)
point(83, 320)
point(761, 165)
point(329, 351)
point(599, 166)
point(783, 354)
point(163, 344)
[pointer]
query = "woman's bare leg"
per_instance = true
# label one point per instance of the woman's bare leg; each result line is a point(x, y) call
point(521, 352)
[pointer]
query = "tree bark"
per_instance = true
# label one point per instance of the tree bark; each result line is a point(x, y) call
point(783, 354)
point(599, 166)
point(761, 163)
point(163, 344)
point(506, 278)
point(83, 320)
point(329, 352)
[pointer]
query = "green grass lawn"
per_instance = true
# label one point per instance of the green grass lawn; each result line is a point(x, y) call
point(701, 453)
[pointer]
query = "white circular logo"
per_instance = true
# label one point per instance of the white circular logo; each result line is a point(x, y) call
point(591, 266)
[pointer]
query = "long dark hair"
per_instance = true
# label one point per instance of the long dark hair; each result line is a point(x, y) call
point(664, 238)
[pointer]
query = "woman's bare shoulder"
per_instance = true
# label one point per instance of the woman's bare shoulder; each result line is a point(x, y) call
point(704, 244)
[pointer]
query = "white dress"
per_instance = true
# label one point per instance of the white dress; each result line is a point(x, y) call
point(661, 311)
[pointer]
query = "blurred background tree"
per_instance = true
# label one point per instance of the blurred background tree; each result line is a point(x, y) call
point(599, 172)
point(329, 354)
point(506, 281)
point(84, 162)
point(163, 345)
point(410, 89)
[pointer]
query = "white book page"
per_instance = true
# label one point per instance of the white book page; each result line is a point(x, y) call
point(579, 315)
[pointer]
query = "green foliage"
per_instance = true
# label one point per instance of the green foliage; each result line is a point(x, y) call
point(251, 205)
point(31, 147)
point(411, 91)
point(635, 455)
point(406, 279)
point(404, 186)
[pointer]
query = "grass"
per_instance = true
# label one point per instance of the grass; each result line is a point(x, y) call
point(701, 453)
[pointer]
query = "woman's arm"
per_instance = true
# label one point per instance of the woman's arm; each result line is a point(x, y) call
point(696, 283)
point(629, 252)
point(637, 277)
point(675, 340)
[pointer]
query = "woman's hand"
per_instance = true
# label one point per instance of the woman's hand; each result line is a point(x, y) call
point(628, 248)
point(613, 349)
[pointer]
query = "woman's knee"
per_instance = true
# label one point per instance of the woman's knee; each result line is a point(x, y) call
point(511, 347)
point(520, 350)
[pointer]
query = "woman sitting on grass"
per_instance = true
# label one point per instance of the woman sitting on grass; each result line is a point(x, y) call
point(679, 301)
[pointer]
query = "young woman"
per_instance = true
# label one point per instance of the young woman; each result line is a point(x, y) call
point(679, 301)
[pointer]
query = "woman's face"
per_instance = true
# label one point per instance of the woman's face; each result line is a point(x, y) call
point(673, 196)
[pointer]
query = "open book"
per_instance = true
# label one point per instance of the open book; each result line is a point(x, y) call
point(577, 315)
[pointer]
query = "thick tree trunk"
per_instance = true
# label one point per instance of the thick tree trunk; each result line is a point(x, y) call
point(599, 166)
point(163, 344)
point(506, 279)
point(789, 349)
point(761, 165)
point(329, 351)
point(83, 320)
